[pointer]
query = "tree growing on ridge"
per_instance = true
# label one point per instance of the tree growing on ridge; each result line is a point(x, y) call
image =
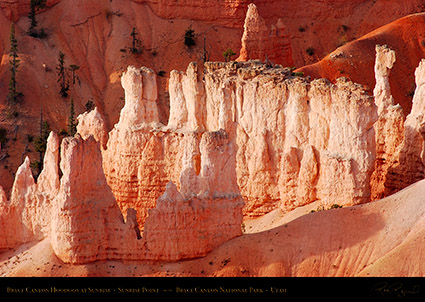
point(13, 96)
point(40, 142)
point(136, 48)
point(62, 80)
point(72, 125)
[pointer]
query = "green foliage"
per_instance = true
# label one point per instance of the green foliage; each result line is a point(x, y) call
point(62, 75)
point(72, 125)
point(13, 96)
point(189, 37)
point(40, 142)
point(228, 54)
point(298, 74)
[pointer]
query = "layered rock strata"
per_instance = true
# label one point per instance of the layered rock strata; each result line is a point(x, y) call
point(84, 223)
point(296, 141)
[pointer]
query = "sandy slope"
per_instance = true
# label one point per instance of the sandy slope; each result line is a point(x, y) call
point(383, 238)
point(356, 59)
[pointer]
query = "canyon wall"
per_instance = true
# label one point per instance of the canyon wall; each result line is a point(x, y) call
point(296, 141)
point(243, 139)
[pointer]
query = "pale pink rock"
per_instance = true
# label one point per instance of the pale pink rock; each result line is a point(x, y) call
point(385, 59)
point(48, 180)
point(15, 224)
point(408, 167)
point(92, 123)
point(266, 113)
point(133, 160)
point(187, 100)
point(141, 94)
point(178, 110)
point(389, 128)
point(179, 229)
point(207, 214)
point(23, 185)
point(87, 224)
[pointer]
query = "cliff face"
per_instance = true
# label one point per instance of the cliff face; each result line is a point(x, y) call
point(179, 227)
point(95, 35)
point(294, 141)
point(243, 139)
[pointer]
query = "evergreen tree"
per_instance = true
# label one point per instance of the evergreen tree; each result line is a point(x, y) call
point(40, 142)
point(136, 49)
point(13, 95)
point(72, 126)
point(34, 6)
point(62, 75)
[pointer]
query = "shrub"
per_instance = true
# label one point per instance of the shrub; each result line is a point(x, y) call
point(3, 137)
point(89, 105)
point(298, 74)
point(189, 37)
point(228, 54)
point(310, 51)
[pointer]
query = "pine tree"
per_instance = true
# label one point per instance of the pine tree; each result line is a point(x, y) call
point(13, 95)
point(34, 6)
point(136, 49)
point(72, 126)
point(62, 75)
point(40, 142)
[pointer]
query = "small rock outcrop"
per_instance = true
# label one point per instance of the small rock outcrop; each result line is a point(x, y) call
point(260, 42)
point(92, 123)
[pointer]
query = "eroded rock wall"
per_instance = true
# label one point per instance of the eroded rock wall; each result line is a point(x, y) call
point(296, 141)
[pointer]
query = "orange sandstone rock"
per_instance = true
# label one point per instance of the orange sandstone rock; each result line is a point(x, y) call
point(260, 42)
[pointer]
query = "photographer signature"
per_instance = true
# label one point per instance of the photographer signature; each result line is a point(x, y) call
point(397, 289)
